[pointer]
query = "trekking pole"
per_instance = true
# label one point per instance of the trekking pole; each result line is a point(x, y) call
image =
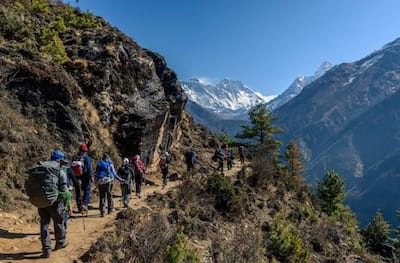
point(83, 222)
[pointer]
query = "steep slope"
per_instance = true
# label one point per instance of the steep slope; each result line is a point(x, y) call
point(346, 121)
point(69, 77)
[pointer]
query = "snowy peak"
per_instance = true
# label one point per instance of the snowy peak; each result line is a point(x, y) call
point(229, 98)
point(297, 86)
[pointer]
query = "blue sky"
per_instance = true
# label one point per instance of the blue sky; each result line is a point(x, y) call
point(263, 43)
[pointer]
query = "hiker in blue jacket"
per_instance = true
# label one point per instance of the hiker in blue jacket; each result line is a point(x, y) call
point(105, 174)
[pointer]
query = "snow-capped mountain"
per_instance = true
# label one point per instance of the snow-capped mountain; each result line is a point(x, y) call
point(297, 86)
point(229, 99)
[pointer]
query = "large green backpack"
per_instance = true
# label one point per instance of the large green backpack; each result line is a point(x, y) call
point(42, 183)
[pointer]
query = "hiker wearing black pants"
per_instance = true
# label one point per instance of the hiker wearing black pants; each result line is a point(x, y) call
point(139, 169)
point(126, 173)
point(229, 158)
point(83, 186)
point(164, 163)
point(220, 159)
point(55, 212)
point(105, 174)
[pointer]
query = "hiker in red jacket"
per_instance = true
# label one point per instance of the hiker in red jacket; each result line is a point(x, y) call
point(139, 169)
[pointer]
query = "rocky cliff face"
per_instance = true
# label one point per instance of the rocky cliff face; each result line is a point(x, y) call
point(108, 92)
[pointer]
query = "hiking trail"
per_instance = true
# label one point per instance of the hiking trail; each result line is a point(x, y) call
point(20, 237)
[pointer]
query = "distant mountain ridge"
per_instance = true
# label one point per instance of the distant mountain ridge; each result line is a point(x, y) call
point(297, 86)
point(349, 120)
point(229, 99)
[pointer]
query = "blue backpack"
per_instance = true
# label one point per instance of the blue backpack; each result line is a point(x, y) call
point(102, 170)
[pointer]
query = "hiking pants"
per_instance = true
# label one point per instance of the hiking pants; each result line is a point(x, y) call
point(55, 212)
point(138, 182)
point(164, 178)
point(190, 166)
point(126, 193)
point(229, 163)
point(220, 165)
point(82, 192)
point(105, 192)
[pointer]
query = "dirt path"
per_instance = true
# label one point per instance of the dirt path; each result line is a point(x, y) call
point(20, 239)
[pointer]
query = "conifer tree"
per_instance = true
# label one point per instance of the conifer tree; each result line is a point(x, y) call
point(330, 192)
point(376, 232)
point(261, 125)
point(293, 163)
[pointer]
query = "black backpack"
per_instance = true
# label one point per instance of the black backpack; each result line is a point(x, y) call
point(190, 157)
point(125, 172)
point(42, 183)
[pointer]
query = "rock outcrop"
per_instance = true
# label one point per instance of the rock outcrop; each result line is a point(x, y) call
point(109, 92)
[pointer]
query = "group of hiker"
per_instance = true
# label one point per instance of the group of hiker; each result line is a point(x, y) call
point(50, 185)
point(226, 153)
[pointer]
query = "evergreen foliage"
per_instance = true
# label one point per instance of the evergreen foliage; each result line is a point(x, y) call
point(377, 232)
point(285, 243)
point(23, 22)
point(227, 195)
point(178, 252)
point(262, 128)
point(330, 192)
point(294, 167)
point(293, 163)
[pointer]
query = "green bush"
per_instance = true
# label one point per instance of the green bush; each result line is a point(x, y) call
point(227, 195)
point(12, 24)
point(178, 252)
point(40, 6)
point(72, 18)
point(52, 47)
point(284, 242)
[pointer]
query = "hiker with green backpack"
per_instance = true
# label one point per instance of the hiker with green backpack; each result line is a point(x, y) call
point(47, 189)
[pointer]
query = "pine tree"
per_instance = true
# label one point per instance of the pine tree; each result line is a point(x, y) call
point(330, 192)
point(376, 232)
point(261, 119)
point(293, 163)
point(291, 172)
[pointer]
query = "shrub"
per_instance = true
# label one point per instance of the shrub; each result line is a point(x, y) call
point(227, 196)
point(178, 252)
point(72, 18)
point(40, 6)
point(246, 245)
point(12, 24)
point(284, 242)
point(52, 47)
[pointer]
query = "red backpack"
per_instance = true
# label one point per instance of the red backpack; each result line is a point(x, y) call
point(78, 165)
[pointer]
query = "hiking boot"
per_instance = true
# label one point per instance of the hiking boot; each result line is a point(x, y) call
point(61, 245)
point(45, 254)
